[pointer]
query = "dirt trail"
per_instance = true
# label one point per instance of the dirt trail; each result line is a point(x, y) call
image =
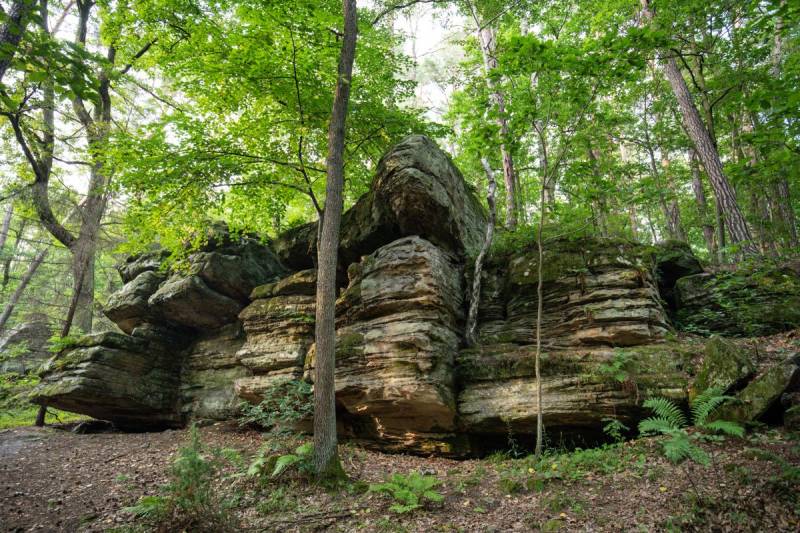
point(55, 480)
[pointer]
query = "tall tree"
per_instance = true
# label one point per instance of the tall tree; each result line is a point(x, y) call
point(487, 38)
point(706, 149)
point(326, 458)
point(12, 30)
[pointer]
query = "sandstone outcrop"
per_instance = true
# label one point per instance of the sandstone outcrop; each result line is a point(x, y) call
point(24, 347)
point(235, 318)
point(743, 302)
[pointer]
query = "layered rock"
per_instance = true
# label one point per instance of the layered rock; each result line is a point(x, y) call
point(596, 292)
point(398, 326)
point(280, 330)
point(209, 369)
point(579, 388)
point(743, 302)
point(126, 379)
point(229, 322)
point(417, 191)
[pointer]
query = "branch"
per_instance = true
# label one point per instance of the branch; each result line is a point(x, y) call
point(137, 55)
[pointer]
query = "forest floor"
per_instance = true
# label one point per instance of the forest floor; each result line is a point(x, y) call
point(52, 479)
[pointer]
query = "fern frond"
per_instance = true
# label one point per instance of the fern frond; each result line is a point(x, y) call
point(668, 410)
point(725, 426)
point(655, 425)
point(706, 403)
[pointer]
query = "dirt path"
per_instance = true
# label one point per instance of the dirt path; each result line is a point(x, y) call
point(55, 480)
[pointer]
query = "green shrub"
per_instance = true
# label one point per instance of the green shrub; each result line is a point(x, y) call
point(274, 465)
point(189, 502)
point(285, 403)
point(409, 492)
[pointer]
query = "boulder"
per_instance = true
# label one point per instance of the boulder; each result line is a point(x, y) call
point(189, 302)
point(134, 265)
point(114, 377)
point(236, 275)
point(762, 392)
point(417, 191)
point(726, 365)
point(749, 301)
point(24, 347)
point(128, 307)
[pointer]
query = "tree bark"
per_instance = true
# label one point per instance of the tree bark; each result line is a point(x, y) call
point(23, 284)
point(707, 151)
point(11, 32)
point(487, 39)
point(326, 458)
point(10, 258)
point(474, 304)
point(539, 313)
point(6, 225)
point(702, 207)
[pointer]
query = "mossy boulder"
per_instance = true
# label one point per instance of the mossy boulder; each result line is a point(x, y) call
point(750, 301)
point(725, 366)
point(761, 393)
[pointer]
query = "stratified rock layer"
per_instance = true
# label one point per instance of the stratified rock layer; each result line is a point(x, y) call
point(397, 333)
point(595, 292)
point(230, 322)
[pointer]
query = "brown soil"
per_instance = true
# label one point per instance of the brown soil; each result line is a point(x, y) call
point(55, 480)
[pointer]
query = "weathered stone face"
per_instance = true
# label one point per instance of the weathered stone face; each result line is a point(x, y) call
point(594, 292)
point(231, 321)
point(417, 191)
point(739, 303)
point(397, 334)
point(498, 387)
point(115, 377)
point(24, 347)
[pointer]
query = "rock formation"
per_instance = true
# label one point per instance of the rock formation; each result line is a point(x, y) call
point(236, 317)
point(24, 347)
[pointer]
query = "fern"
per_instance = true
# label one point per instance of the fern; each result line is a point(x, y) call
point(668, 411)
point(706, 403)
point(409, 492)
point(669, 420)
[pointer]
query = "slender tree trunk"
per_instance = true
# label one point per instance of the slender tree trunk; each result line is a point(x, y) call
point(10, 258)
point(326, 458)
point(702, 208)
point(707, 151)
point(26, 279)
point(6, 226)
point(474, 304)
point(11, 32)
point(539, 313)
point(782, 190)
point(488, 44)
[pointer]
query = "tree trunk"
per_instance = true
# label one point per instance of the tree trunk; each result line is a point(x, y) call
point(539, 312)
point(488, 43)
point(702, 207)
point(6, 226)
point(11, 32)
point(10, 258)
point(326, 458)
point(474, 304)
point(782, 196)
point(707, 151)
point(26, 279)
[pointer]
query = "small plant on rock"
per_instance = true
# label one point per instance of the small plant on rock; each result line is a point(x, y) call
point(409, 492)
